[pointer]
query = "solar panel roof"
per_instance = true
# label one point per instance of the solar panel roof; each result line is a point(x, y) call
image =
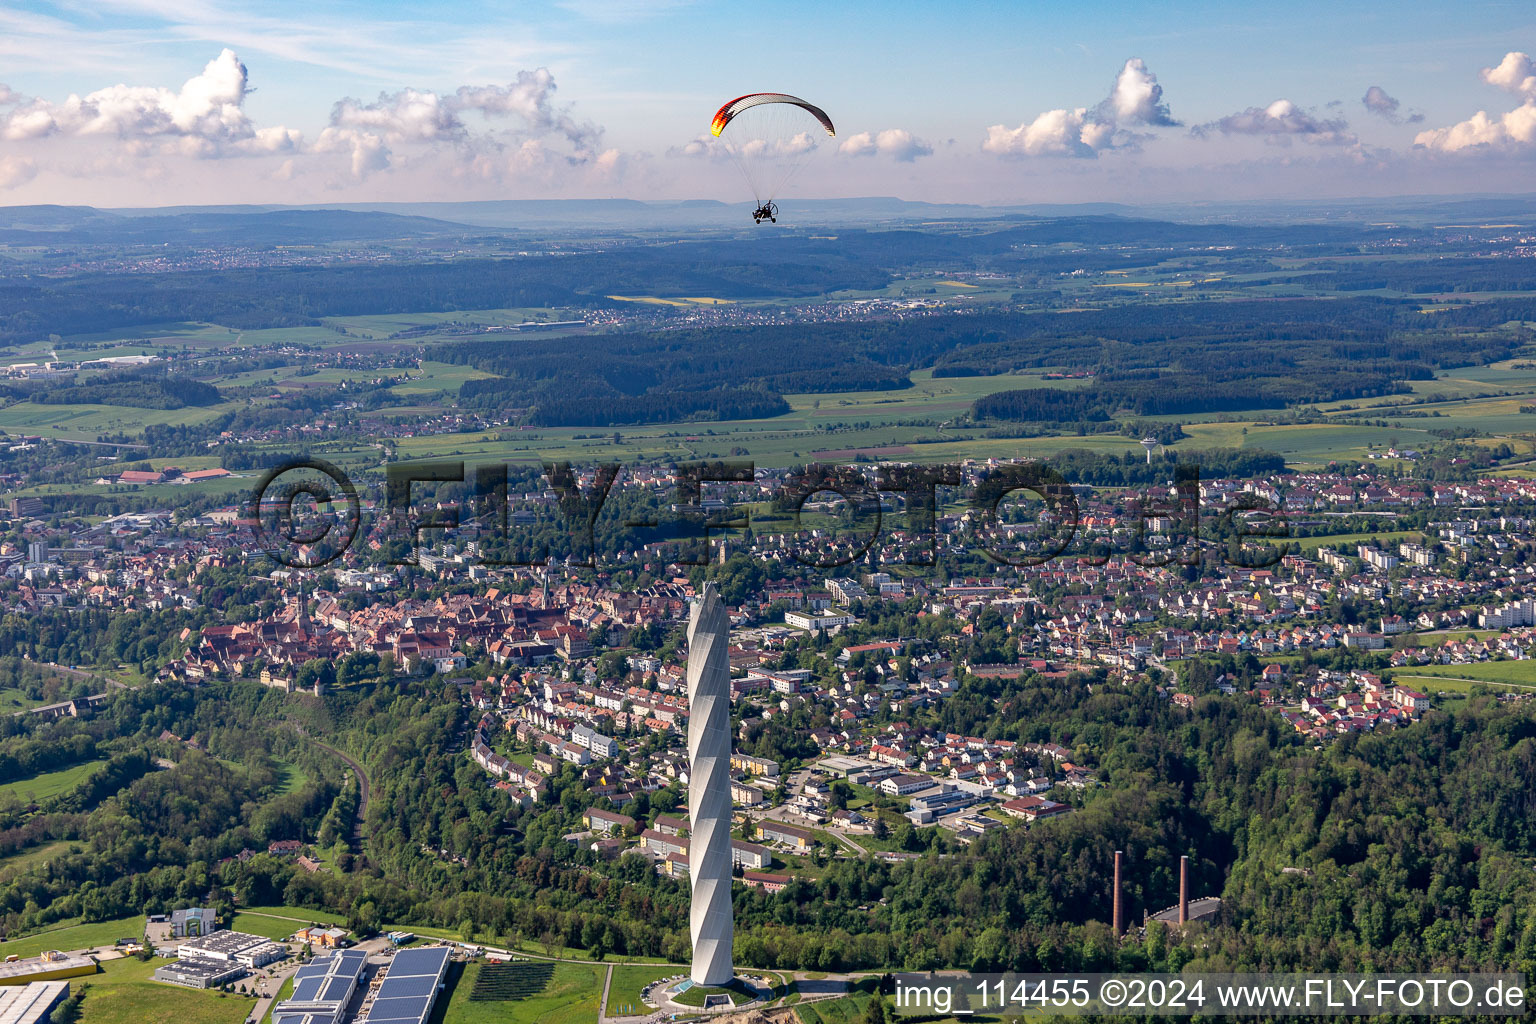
point(306, 989)
point(409, 989)
point(336, 988)
point(408, 986)
point(429, 960)
point(402, 1008)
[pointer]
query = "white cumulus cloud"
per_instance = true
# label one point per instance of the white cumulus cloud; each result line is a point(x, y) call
point(1135, 101)
point(492, 130)
point(1053, 133)
point(1512, 130)
point(1136, 98)
point(1516, 73)
point(204, 117)
point(369, 131)
point(896, 143)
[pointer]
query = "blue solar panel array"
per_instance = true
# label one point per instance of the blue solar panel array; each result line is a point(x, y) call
point(410, 988)
point(320, 989)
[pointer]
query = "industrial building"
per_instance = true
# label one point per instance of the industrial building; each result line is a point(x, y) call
point(200, 974)
point(219, 958)
point(322, 989)
point(194, 921)
point(49, 966)
point(31, 1004)
point(410, 987)
point(233, 947)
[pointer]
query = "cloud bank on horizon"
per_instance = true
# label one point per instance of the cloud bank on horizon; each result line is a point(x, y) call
point(515, 134)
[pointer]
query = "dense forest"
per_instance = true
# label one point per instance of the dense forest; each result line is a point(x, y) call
point(144, 389)
point(1148, 360)
point(1411, 847)
point(32, 308)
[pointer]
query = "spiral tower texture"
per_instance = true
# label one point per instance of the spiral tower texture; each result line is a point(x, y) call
point(709, 788)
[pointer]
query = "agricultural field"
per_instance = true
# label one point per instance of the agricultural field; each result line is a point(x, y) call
point(85, 422)
point(342, 329)
point(1304, 445)
point(1509, 674)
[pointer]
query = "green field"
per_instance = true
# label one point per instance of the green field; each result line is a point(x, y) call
point(1308, 445)
point(1511, 674)
point(12, 699)
point(292, 775)
point(125, 994)
point(270, 921)
point(41, 787)
point(72, 936)
point(571, 998)
point(1345, 543)
point(848, 1009)
point(628, 982)
point(261, 924)
point(30, 858)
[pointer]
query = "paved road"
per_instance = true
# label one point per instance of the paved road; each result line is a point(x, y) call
point(846, 838)
point(602, 1007)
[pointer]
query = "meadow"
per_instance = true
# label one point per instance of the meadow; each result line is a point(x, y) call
point(12, 699)
point(1500, 674)
point(41, 787)
point(29, 858)
point(629, 981)
point(571, 997)
point(74, 935)
point(124, 993)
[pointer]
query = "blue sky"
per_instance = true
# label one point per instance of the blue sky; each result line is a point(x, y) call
point(999, 102)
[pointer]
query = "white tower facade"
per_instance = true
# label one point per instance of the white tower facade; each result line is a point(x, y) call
point(709, 788)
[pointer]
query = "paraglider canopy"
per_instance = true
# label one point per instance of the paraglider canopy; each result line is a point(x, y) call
point(726, 114)
point(769, 135)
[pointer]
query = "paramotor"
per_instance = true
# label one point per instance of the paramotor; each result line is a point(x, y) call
point(769, 135)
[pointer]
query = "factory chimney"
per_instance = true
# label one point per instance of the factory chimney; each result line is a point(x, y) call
point(1183, 891)
point(1118, 919)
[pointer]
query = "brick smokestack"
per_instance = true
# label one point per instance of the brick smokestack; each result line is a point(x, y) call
point(1183, 891)
point(1119, 920)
